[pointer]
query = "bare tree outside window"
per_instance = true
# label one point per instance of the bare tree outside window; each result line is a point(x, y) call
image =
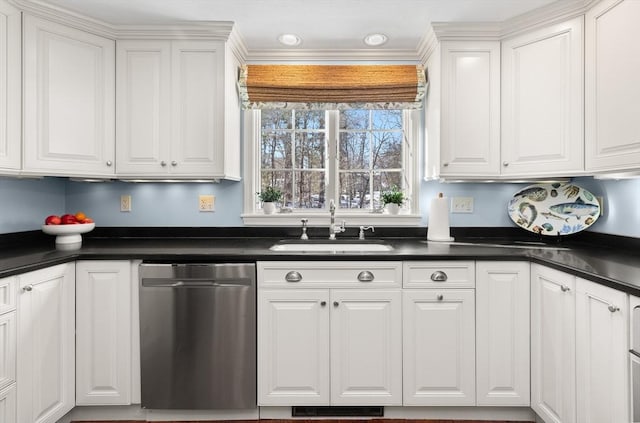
point(294, 156)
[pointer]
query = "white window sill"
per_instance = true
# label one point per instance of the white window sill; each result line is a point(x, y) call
point(322, 219)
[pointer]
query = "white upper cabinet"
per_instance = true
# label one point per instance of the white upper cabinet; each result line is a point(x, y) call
point(542, 101)
point(612, 86)
point(69, 92)
point(176, 115)
point(469, 108)
point(10, 88)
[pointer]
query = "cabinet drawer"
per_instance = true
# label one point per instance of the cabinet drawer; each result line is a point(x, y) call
point(8, 292)
point(439, 274)
point(330, 274)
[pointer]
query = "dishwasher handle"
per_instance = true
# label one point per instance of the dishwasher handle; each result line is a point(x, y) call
point(168, 283)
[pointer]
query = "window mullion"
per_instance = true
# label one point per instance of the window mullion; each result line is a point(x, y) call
point(332, 166)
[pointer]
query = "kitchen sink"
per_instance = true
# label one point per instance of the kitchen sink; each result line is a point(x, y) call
point(331, 246)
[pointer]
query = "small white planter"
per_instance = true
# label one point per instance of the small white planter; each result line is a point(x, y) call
point(269, 207)
point(392, 208)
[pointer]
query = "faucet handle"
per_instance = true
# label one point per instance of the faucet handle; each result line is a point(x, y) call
point(365, 228)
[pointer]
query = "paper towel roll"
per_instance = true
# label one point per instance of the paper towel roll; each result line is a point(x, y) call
point(438, 227)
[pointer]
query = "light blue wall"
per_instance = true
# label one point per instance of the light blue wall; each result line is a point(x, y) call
point(25, 203)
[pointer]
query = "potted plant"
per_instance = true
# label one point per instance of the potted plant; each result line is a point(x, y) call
point(392, 200)
point(269, 197)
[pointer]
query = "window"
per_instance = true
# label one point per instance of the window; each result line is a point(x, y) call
point(313, 156)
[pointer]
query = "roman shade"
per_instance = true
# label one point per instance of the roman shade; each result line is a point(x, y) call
point(332, 86)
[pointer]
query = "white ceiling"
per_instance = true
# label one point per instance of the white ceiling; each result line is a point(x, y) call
point(322, 24)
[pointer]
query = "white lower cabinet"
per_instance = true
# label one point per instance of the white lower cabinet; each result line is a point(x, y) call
point(579, 350)
point(46, 344)
point(502, 333)
point(8, 404)
point(553, 345)
point(103, 332)
point(439, 347)
point(602, 394)
point(320, 346)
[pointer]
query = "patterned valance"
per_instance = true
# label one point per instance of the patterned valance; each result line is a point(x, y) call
point(332, 86)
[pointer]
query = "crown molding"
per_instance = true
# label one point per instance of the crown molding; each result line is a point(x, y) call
point(209, 30)
point(427, 45)
point(547, 15)
point(66, 17)
point(327, 56)
point(452, 31)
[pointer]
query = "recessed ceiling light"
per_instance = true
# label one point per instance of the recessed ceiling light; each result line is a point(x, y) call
point(289, 40)
point(375, 40)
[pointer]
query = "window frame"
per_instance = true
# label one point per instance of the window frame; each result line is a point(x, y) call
point(253, 216)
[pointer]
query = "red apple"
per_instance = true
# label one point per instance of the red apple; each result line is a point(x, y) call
point(52, 220)
point(68, 219)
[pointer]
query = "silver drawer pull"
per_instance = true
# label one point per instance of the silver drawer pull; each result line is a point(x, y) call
point(439, 276)
point(565, 288)
point(28, 288)
point(293, 276)
point(365, 276)
point(440, 297)
point(612, 308)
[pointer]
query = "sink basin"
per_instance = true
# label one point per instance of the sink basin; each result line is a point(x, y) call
point(331, 246)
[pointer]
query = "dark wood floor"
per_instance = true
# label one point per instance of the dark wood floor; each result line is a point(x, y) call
point(312, 421)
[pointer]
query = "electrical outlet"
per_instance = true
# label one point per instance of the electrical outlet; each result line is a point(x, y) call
point(462, 205)
point(206, 203)
point(125, 203)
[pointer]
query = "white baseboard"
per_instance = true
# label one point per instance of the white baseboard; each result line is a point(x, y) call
point(437, 413)
point(135, 412)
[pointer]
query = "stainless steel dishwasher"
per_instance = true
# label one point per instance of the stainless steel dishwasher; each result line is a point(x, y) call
point(198, 335)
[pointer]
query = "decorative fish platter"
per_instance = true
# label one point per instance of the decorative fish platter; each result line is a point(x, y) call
point(554, 209)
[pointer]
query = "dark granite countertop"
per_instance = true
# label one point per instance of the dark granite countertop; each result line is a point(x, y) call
point(617, 266)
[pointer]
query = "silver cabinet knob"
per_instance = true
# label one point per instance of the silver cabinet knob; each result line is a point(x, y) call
point(445, 164)
point(440, 297)
point(163, 163)
point(174, 163)
point(565, 288)
point(293, 276)
point(612, 308)
point(505, 164)
point(439, 276)
point(109, 163)
point(336, 304)
point(323, 303)
point(365, 276)
point(28, 288)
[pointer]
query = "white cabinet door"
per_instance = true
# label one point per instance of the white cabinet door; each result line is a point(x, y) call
point(69, 110)
point(470, 114)
point(502, 333)
point(103, 332)
point(602, 354)
point(8, 404)
point(143, 98)
point(366, 347)
point(8, 331)
point(439, 347)
point(542, 101)
point(612, 86)
point(293, 347)
point(46, 344)
point(197, 139)
point(553, 346)
point(10, 87)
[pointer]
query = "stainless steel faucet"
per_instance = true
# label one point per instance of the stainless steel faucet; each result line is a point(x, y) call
point(332, 224)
